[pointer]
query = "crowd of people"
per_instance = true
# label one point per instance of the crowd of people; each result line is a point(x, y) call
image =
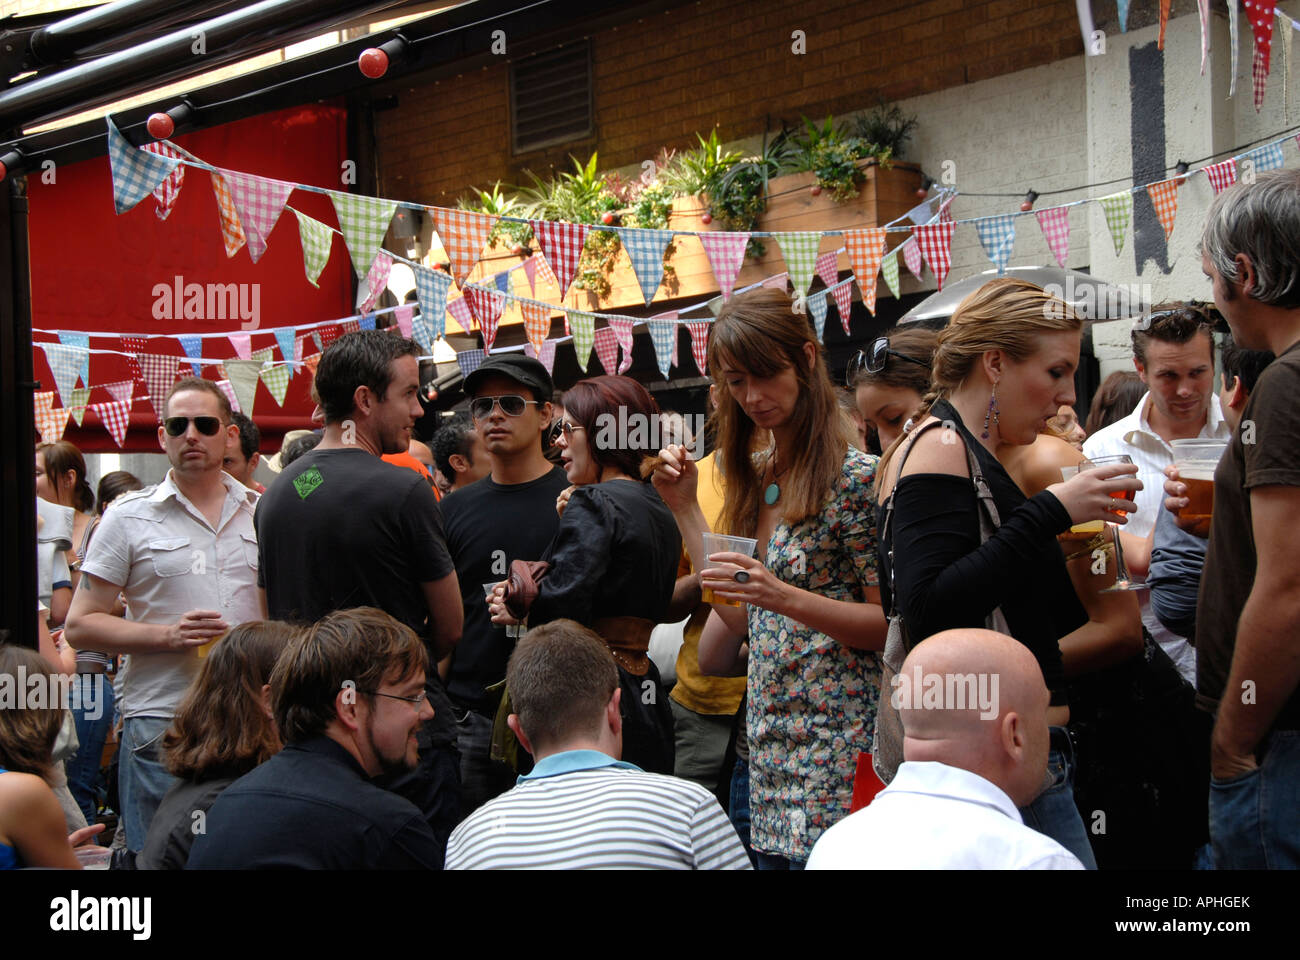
point(953, 624)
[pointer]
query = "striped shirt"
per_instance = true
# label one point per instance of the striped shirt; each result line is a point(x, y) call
point(583, 810)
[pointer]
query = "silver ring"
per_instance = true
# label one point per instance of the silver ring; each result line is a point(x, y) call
point(740, 576)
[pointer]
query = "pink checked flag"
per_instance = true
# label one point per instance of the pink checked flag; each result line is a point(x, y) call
point(166, 192)
point(242, 345)
point(403, 316)
point(259, 202)
point(377, 279)
point(459, 309)
point(226, 387)
point(546, 356)
point(1222, 174)
point(700, 343)
point(606, 342)
point(828, 268)
point(350, 326)
point(530, 271)
point(1055, 222)
point(843, 294)
point(159, 375)
point(912, 256)
point(562, 245)
point(726, 252)
point(486, 305)
point(114, 415)
point(122, 391)
point(865, 247)
point(622, 327)
point(935, 241)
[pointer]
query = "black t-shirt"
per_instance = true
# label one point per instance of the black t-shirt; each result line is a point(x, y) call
point(490, 525)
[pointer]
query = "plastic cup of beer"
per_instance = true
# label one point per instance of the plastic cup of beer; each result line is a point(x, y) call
point(1080, 531)
point(206, 648)
point(1196, 461)
point(720, 543)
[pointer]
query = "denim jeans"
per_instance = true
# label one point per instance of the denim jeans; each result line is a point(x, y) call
point(1055, 813)
point(92, 712)
point(1255, 818)
point(738, 807)
point(481, 777)
point(770, 861)
point(142, 778)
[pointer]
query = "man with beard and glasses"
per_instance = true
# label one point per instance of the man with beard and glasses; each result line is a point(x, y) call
point(348, 697)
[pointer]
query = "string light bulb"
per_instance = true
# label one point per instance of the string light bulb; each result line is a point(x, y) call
point(1028, 203)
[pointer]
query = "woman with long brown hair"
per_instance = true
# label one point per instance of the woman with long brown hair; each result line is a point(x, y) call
point(807, 621)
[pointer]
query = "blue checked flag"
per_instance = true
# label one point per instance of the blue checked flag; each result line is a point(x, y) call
point(431, 287)
point(422, 332)
point(193, 345)
point(1267, 157)
point(998, 235)
point(367, 321)
point(663, 334)
point(817, 308)
point(645, 248)
point(81, 340)
point(284, 336)
point(136, 172)
point(469, 361)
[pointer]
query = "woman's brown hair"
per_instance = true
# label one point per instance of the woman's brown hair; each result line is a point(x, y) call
point(59, 459)
point(760, 333)
point(27, 733)
point(1115, 399)
point(221, 729)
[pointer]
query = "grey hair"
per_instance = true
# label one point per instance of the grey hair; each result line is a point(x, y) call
point(1262, 221)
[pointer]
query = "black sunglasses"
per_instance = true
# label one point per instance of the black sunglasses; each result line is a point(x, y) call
point(176, 426)
point(480, 408)
point(874, 359)
point(1142, 324)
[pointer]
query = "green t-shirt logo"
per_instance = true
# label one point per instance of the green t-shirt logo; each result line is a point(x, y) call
point(307, 482)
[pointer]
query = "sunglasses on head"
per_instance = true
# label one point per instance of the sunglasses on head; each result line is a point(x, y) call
point(875, 358)
point(176, 426)
point(480, 408)
point(1145, 323)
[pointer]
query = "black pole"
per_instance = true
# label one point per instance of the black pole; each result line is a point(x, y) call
point(80, 35)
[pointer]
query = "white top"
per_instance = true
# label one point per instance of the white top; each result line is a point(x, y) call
point(1133, 435)
point(936, 817)
point(160, 549)
point(53, 537)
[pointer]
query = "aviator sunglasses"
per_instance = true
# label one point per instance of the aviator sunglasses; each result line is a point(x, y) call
point(176, 426)
point(874, 359)
point(511, 406)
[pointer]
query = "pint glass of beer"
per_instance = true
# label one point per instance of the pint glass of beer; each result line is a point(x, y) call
point(1196, 461)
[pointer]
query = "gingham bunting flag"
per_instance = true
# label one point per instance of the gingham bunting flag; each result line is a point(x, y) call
point(285, 337)
point(431, 287)
point(115, 415)
point(123, 391)
point(242, 345)
point(622, 327)
point(544, 270)
point(232, 231)
point(800, 252)
point(715, 305)
point(463, 234)
point(459, 309)
point(80, 398)
point(265, 355)
point(132, 345)
point(1232, 46)
point(779, 281)
point(545, 356)
point(537, 322)
point(193, 346)
point(159, 374)
point(326, 335)
point(225, 387)
point(663, 334)
point(42, 401)
point(935, 241)
point(363, 221)
point(276, 377)
point(700, 343)
point(912, 256)
point(583, 327)
point(997, 236)
point(82, 340)
point(165, 193)
point(817, 310)
point(828, 268)
point(1222, 174)
point(298, 346)
point(316, 240)
point(561, 244)
point(1266, 157)
point(65, 364)
point(259, 202)
point(468, 361)
point(311, 362)
point(843, 294)
point(367, 321)
point(669, 315)
point(403, 316)
point(645, 248)
point(135, 172)
point(1260, 15)
point(502, 280)
point(243, 375)
point(530, 274)
point(1164, 197)
point(606, 342)
point(726, 252)
point(51, 423)
point(422, 333)
point(1055, 223)
point(889, 270)
point(1118, 208)
point(486, 305)
point(377, 279)
point(865, 247)
point(349, 326)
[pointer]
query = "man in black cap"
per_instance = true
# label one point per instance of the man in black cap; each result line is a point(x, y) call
point(506, 516)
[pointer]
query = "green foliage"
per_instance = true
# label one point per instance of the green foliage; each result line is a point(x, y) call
point(651, 207)
point(814, 138)
point(886, 127)
point(692, 171)
point(835, 164)
point(739, 194)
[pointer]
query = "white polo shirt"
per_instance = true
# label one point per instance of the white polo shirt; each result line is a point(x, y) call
point(160, 549)
point(936, 817)
point(1133, 435)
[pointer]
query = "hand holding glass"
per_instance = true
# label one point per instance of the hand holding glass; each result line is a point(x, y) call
point(718, 543)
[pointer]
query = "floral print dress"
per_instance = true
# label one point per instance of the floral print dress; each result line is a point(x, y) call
point(812, 700)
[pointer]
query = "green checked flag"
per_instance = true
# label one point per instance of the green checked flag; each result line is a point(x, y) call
point(276, 378)
point(584, 336)
point(316, 242)
point(1118, 208)
point(364, 221)
point(800, 253)
point(889, 270)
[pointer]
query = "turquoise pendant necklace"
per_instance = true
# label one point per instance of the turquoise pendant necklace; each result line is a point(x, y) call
point(772, 493)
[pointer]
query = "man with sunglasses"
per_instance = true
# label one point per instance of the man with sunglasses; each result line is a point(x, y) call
point(183, 553)
point(505, 516)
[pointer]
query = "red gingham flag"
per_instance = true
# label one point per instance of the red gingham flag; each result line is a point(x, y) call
point(232, 231)
point(350, 326)
point(131, 346)
point(935, 241)
point(865, 247)
point(561, 243)
point(622, 327)
point(115, 415)
point(1055, 222)
point(828, 268)
point(259, 202)
point(167, 191)
point(843, 294)
point(1222, 174)
point(606, 342)
point(1164, 197)
point(726, 252)
point(159, 374)
point(463, 234)
point(486, 305)
point(122, 391)
point(700, 343)
point(1260, 15)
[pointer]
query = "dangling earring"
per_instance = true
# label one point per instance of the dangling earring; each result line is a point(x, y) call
point(993, 412)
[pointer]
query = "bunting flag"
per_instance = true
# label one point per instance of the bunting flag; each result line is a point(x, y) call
point(326, 335)
point(363, 222)
point(1123, 15)
point(1203, 8)
point(431, 288)
point(232, 231)
point(622, 327)
point(228, 389)
point(469, 361)
point(800, 253)
point(82, 340)
point(935, 241)
point(298, 344)
point(715, 305)
point(316, 240)
point(377, 279)
point(817, 309)
point(159, 374)
point(645, 248)
point(193, 346)
point(241, 342)
point(1222, 174)
point(276, 377)
point(530, 273)
point(422, 333)
point(463, 234)
point(131, 346)
point(1164, 197)
point(1267, 157)
point(606, 342)
point(115, 415)
point(259, 201)
point(350, 326)
point(285, 337)
point(403, 317)
point(368, 319)
point(80, 398)
point(51, 422)
point(726, 252)
point(459, 308)
point(537, 322)
point(998, 237)
point(583, 326)
point(828, 268)
point(243, 376)
point(1260, 15)
point(502, 280)
point(1232, 45)
point(912, 257)
point(122, 392)
point(700, 344)
point(889, 270)
point(311, 362)
point(486, 305)
point(165, 193)
point(65, 364)
point(1118, 208)
point(663, 334)
point(561, 244)
point(43, 400)
point(135, 172)
point(1287, 36)
point(778, 282)
point(865, 247)
point(547, 355)
point(544, 269)
point(1164, 22)
point(1055, 222)
point(843, 294)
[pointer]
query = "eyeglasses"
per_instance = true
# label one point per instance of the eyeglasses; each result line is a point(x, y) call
point(176, 426)
point(416, 701)
point(564, 428)
point(512, 406)
point(874, 359)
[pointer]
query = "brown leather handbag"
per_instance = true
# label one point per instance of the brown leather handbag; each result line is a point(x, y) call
point(523, 586)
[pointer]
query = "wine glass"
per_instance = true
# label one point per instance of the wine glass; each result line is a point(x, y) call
point(1123, 581)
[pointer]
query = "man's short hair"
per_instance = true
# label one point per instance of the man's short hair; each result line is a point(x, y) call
point(361, 648)
point(1246, 364)
point(1176, 322)
point(202, 386)
point(455, 436)
point(357, 359)
point(250, 438)
point(1261, 220)
point(561, 676)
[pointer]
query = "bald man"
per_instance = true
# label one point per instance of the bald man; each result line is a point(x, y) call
point(974, 710)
